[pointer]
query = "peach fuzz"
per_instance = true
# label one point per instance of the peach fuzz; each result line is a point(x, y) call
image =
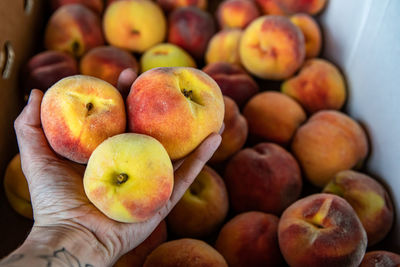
point(380, 258)
point(290, 7)
point(311, 31)
point(250, 239)
point(236, 13)
point(224, 47)
point(233, 81)
point(273, 116)
point(165, 55)
point(272, 47)
point(203, 207)
point(170, 5)
point(119, 181)
point(78, 113)
point(107, 62)
point(135, 25)
point(95, 5)
point(263, 178)
point(368, 198)
point(321, 230)
point(48, 67)
point(185, 252)
point(235, 132)
point(137, 256)
point(16, 188)
point(178, 106)
point(329, 142)
point(318, 86)
point(74, 29)
point(191, 29)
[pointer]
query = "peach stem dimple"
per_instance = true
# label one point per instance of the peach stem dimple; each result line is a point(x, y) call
point(188, 93)
point(122, 178)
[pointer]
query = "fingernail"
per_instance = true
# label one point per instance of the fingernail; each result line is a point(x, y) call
point(30, 97)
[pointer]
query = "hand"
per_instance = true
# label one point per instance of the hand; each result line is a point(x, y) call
point(58, 199)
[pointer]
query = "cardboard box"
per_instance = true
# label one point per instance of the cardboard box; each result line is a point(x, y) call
point(361, 36)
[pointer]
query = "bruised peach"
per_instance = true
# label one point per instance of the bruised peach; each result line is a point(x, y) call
point(311, 31)
point(236, 13)
point(170, 5)
point(95, 5)
point(224, 47)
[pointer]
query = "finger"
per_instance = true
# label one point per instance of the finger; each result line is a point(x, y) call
point(222, 129)
point(125, 80)
point(178, 163)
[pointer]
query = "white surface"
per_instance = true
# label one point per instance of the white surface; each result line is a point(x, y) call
point(363, 38)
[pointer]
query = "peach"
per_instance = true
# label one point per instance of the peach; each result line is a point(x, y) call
point(170, 5)
point(329, 142)
point(273, 116)
point(368, 198)
point(250, 239)
point(272, 47)
point(16, 188)
point(165, 55)
point(179, 106)
point(191, 29)
point(135, 25)
point(290, 7)
point(311, 31)
point(263, 178)
point(235, 132)
point(137, 256)
point(224, 47)
point(203, 207)
point(74, 29)
point(321, 230)
point(78, 113)
point(48, 67)
point(270, 7)
point(233, 81)
point(95, 5)
point(319, 85)
point(380, 258)
point(184, 253)
point(119, 181)
point(236, 13)
point(106, 63)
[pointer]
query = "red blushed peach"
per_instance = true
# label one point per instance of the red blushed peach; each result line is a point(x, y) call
point(380, 258)
point(273, 116)
point(203, 207)
point(179, 106)
point(318, 86)
point(106, 63)
point(170, 5)
point(290, 7)
point(137, 256)
point(311, 31)
point(224, 47)
point(185, 252)
point(270, 7)
point(74, 29)
point(368, 198)
point(250, 239)
point(321, 230)
point(235, 132)
point(263, 178)
point(78, 113)
point(191, 29)
point(329, 142)
point(272, 47)
point(94, 5)
point(48, 67)
point(236, 13)
point(233, 81)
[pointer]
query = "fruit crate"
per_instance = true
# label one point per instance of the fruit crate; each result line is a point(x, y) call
point(362, 37)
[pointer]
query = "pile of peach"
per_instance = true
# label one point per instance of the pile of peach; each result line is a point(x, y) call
point(251, 206)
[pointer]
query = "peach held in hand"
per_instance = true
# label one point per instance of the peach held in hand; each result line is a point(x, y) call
point(178, 106)
point(78, 113)
point(129, 177)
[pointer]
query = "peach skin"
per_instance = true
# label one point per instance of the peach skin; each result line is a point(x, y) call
point(290, 7)
point(95, 5)
point(329, 142)
point(368, 198)
point(74, 29)
point(318, 86)
point(135, 25)
point(224, 47)
point(273, 116)
point(179, 106)
point(311, 31)
point(272, 47)
point(236, 13)
point(170, 5)
point(78, 113)
point(380, 258)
